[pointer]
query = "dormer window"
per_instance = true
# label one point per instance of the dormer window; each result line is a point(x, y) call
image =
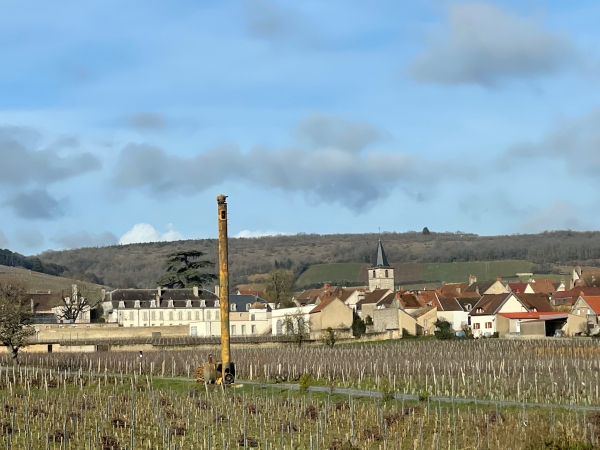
point(479, 310)
point(137, 304)
point(121, 304)
point(152, 303)
point(188, 303)
point(233, 307)
point(217, 304)
point(248, 305)
point(533, 309)
point(203, 303)
point(170, 303)
point(468, 307)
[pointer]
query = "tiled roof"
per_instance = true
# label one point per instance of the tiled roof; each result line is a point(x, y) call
point(480, 286)
point(517, 287)
point(44, 302)
point(409, 301)
point(593, 301)
point(490, 303)
point(454, 288)
point(321, 306)
point(449, 304)
point(387, 300)
point(540, 302)
point(420, 311)
point(542, 287)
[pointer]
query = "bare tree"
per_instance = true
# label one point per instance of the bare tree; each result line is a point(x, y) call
point(16, 316)
point(296, 325)
point(279, 288)
point(80, 301)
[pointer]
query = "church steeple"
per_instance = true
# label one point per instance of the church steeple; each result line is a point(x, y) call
point(381, 274)
point(380, 258)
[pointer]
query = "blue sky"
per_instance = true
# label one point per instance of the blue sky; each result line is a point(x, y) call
point(122, 121)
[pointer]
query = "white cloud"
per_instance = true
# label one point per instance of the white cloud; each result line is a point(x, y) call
point(559, 215)
point(144, 232)
point(258, 233)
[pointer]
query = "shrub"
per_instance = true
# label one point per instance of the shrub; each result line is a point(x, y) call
point(444, 329)
point(328, 337)
point(305, 382)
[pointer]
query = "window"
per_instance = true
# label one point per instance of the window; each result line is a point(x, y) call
point(153, 315)
point(216, 315)
point(194, 331)
point(233, 307)
point(386, 273)
point(137, 304)
point(180, 315)
point(424, 323)
point(488, 324)
point(253, 329)
point(374, 274)
point(189, 315)
point(589, 311)
point(171, 315)
point(479, 310)
point(279, 327)
point(208, 315)
point(252, 317)
point(243, 329)
point(476, 326)
point(232, 330)
point(145, 315)
point(468, 307)
point(197, 315)
point(160, 315)
point(130, 315)
point(578, 312)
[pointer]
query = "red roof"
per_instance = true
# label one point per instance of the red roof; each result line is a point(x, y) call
point(593, 301)
point(517, 287)
point(532, 315)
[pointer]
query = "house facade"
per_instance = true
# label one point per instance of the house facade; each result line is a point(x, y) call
point(483, 315)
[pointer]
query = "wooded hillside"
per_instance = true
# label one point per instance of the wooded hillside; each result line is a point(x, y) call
point(140, 265)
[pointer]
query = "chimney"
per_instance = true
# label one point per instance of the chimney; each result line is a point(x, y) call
point(326, 286)
point(398, 295)
point(424, 288)
point(498, 278)
point(217, 290)
point(472, 279)
point(458, 290)
point(477, 290)
point(438, 290)
point(195, 290)
point(103, 294)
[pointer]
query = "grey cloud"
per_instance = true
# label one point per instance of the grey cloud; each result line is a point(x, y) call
point(24, 162)
point(80, 239)
point(279, 25)
point(576, 143)
point(559, 215)
point(3, 240)
point(36, 204)
point(324, 174)
point(148, 121)
point(29, 238)
point(320, 130)
point(485, 45)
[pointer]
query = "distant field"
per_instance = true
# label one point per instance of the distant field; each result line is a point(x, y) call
point(35, 281)
point(416, 274)
point(321, 273)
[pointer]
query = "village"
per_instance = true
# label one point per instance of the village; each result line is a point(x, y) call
point(538, 308)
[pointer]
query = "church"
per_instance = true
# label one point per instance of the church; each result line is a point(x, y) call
point(381, 274)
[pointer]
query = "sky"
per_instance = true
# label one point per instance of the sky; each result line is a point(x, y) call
point(120, 122)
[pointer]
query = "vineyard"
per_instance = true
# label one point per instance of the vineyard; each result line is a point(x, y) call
point(116, 400)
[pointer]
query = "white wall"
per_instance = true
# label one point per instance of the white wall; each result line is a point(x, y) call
point(252, 323)
point(277, 315)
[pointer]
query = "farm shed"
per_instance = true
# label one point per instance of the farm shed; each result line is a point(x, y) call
point(530, 324)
